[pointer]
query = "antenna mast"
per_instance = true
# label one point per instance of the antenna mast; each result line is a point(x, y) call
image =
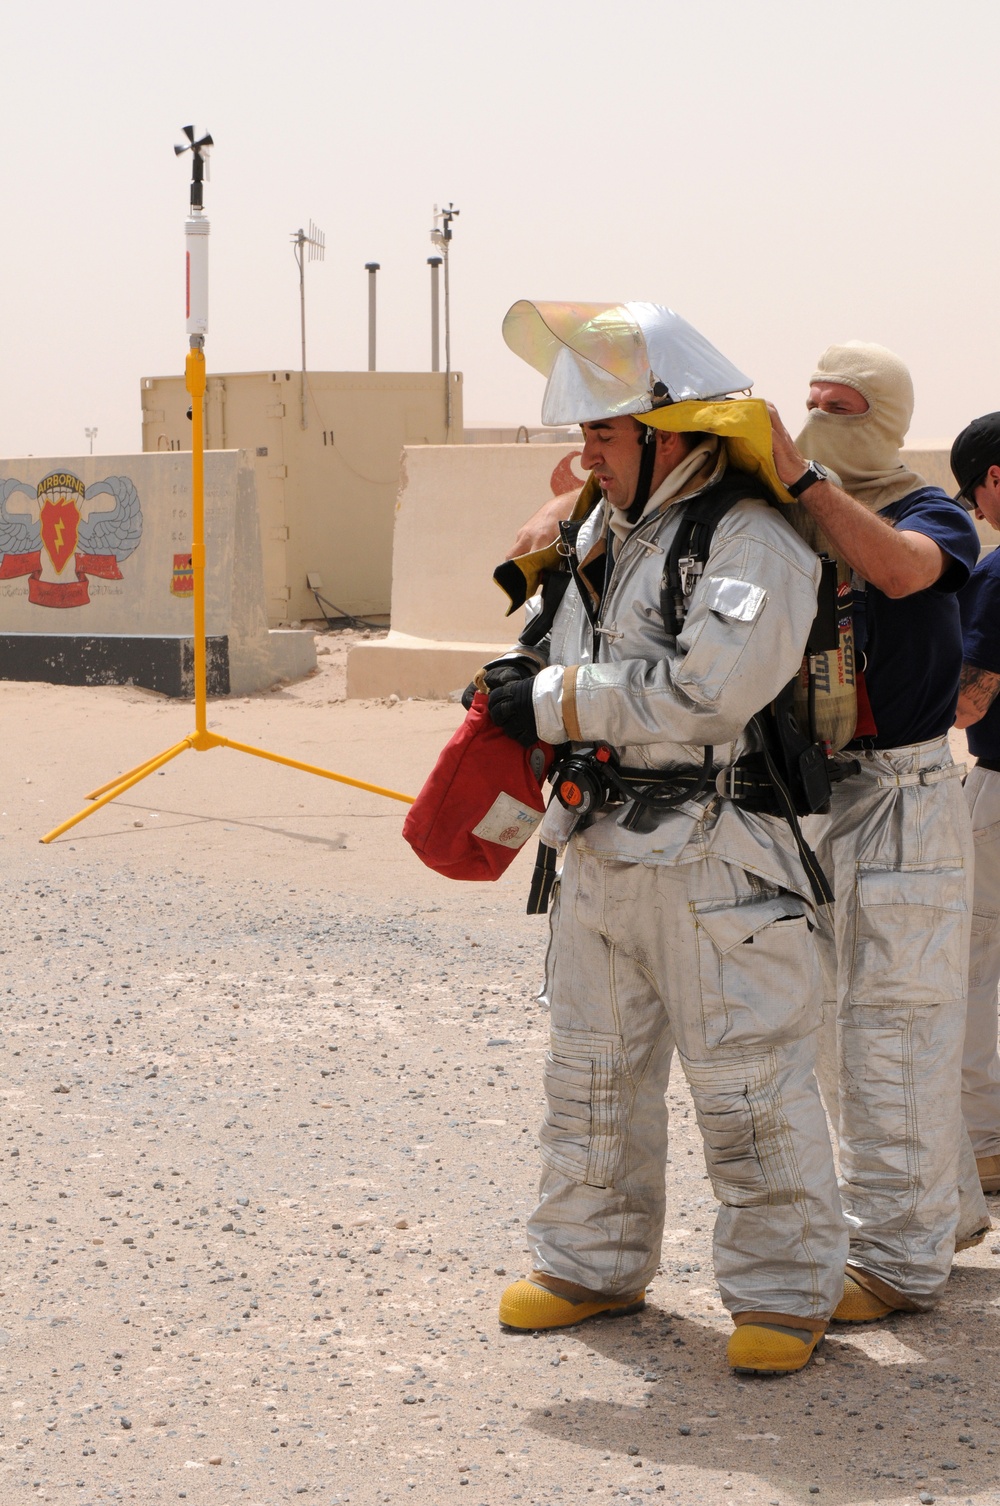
point(441, 236)
point(316, 241)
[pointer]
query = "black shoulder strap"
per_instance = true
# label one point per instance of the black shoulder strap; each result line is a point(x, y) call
point(693, 540)
point(554, 583)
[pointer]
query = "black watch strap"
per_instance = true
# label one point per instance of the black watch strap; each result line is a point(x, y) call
point(809, 477)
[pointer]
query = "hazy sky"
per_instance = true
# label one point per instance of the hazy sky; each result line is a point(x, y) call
point(784, 173)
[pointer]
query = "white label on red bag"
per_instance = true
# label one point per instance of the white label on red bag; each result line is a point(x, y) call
point(507, 822)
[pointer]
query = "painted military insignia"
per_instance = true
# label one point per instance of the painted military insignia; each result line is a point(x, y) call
point(58, 534)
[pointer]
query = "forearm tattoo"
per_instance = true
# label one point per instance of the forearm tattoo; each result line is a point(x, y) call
point(977, 688)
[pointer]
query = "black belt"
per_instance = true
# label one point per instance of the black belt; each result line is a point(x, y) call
point(746, 783)
point(993, 764)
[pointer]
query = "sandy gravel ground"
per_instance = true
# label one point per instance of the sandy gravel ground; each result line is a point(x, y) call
point(270, 1100)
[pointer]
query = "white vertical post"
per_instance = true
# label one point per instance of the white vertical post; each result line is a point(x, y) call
point(196, 231)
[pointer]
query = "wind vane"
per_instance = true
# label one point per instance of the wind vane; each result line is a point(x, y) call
point(198, 149)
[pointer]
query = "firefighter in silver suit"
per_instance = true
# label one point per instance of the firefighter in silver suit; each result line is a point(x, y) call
point(686, 930)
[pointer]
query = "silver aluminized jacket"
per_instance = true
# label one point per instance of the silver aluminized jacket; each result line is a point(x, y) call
point(695, 936)
point(658, 701)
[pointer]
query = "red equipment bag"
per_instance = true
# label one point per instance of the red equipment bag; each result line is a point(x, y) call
point(481, 802)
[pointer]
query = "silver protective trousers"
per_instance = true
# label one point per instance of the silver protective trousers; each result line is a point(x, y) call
point(897, 846)
point(701, 958)
point(980, 1063)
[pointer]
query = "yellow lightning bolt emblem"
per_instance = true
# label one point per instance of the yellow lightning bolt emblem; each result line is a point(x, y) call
point(60, 525)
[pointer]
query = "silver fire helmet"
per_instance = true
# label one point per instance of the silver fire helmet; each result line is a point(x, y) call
point(604, 360)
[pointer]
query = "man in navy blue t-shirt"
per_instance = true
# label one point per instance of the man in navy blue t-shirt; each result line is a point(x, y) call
point(897, 843)
point(975, 460)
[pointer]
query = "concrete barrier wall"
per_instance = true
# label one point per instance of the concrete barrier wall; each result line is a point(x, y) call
point(99, 549)
point(458, 511)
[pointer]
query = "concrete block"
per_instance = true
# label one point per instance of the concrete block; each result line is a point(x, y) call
point(293, 653)
point(459, 508)
point(97, 549)
point(163, 664)
point(405, 666)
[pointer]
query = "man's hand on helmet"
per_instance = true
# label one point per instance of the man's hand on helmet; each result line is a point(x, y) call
point(492, 676)
point(512, 710)
point(788, 462)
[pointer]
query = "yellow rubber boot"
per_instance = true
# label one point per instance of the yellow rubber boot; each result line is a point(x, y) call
point(859, 1305)
point(544, 1301)
point(771, 1348)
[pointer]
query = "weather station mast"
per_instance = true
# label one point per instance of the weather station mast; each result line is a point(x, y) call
point(441, 237)
point(201, 740)
point(196, 233)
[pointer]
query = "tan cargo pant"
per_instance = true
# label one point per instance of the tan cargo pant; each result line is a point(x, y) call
point(701, 958)
point(897, 846)
point(980, 1063)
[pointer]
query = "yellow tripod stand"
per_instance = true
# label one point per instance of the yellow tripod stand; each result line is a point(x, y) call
point(201, 740)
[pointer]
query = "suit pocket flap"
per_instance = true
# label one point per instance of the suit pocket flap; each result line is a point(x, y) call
point(937, 888)
point(737, 923)
point(738, 599)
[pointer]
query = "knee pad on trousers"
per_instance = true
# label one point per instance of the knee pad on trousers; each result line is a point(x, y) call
point(748, 1145)
point(581, 1135)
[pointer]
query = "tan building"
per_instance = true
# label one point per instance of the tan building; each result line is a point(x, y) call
point(328, 491)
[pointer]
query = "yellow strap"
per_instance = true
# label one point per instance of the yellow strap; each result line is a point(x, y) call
point(532, 566)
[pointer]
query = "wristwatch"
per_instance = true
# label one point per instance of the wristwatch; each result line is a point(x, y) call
point(813, 472)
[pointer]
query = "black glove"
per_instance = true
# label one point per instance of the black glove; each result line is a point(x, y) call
point(511, 709)
point(507, 672)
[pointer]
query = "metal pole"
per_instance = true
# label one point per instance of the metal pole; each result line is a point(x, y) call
point(371, 267)
point(300, 257)
point(316, 241)
point(434, 262)
point(447, 348)
point(442, 237)
point(195, 383)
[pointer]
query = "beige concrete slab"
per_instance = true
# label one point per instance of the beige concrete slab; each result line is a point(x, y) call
point(459, 508)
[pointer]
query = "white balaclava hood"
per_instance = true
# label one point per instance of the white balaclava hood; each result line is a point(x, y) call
point(863, 448)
